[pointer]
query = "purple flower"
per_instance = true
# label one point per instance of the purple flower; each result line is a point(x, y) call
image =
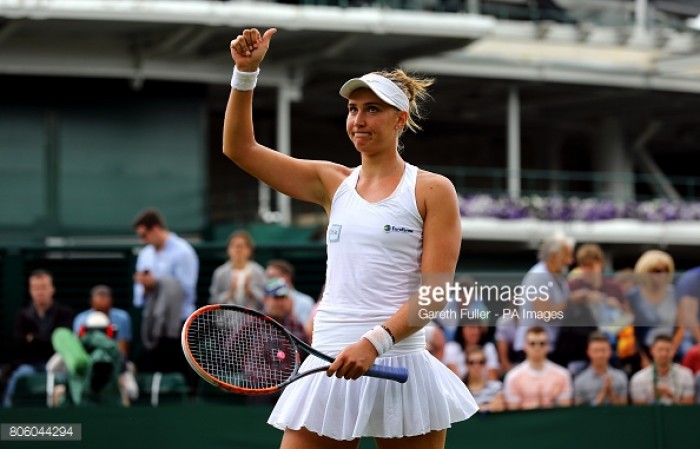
point(557, 208)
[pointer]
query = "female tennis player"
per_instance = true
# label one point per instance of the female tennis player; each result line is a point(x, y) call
point(392, 229)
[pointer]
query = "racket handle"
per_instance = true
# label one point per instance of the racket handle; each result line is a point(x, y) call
point(387, 372)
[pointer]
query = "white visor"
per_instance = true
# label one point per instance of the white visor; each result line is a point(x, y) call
point(384, 88)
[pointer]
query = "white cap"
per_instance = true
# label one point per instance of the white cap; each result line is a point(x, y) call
point(384, 88)
point(97, 320)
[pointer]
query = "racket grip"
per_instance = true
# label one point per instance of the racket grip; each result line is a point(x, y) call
point(388, 372)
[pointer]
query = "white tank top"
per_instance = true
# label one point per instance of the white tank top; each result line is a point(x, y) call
point(374, 257)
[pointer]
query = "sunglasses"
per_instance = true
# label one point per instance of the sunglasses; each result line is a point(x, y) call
point(540, 343)
point(476, 362)
point(279, 297)
point(660, 270)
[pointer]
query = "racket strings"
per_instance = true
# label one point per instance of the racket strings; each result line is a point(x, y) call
point(241, 350)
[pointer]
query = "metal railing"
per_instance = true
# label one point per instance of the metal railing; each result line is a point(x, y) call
point(568, 184)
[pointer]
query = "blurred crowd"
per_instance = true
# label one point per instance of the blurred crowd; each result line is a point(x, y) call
point(591, 337)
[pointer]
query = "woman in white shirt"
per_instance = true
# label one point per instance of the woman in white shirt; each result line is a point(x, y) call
point(392, 229)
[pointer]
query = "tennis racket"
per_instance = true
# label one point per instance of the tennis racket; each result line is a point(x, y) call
point(247, 352)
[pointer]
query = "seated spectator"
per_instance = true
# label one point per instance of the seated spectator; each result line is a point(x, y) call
point(488, 393)
point(303, 303)
point(34, 325)
point(692, 359)
point(466, 336)
point(279, 305)
point(600, 384)
point(662, 382)
point(120, 325)
point(92, 363)
point(101, 300)
point(653, 301)
point(240, 280)
point(537, 382)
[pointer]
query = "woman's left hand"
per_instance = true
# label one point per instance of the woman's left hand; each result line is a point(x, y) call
point(354, 360)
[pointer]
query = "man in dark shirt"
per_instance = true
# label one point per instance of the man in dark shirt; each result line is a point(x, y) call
point(34, 325)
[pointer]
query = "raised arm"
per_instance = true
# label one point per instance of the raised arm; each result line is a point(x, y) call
point(312, 181)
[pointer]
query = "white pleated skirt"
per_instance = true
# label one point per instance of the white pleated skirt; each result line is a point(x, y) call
point(432, 399)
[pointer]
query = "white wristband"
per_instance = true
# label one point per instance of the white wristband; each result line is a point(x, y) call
point(380, 339)
point(244, 80)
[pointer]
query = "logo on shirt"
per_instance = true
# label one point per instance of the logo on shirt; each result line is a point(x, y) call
point(391, 228)
point(334, 233)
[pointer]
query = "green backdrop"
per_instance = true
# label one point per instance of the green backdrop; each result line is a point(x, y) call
point(207, 426)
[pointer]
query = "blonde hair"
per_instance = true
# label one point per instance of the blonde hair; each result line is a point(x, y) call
point(416, 89)
point(651, 259)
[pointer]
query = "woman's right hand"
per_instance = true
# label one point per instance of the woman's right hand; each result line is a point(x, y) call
point(250, 47)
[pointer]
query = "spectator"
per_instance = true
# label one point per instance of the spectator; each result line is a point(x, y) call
point(600, 384)
point(697, 389)
point(488, 393)
point(303, 303)
point(280, 306)
point(653, 301)
point(101, 300)
point(537, 382)
point(92, 364)
point(603, 295)
point(626, 350)
point(692, 359)
point(164, 284)
point(554, 258)
point(626, 279)
point(240, 280)
point(467, 336)
point(34, 325)
point(548, 275)
point(662, 382)
point(688, 296)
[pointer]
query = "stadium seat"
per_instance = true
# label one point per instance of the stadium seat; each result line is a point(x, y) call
point(210, 394)
point(30, 391)
point(161, 388)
